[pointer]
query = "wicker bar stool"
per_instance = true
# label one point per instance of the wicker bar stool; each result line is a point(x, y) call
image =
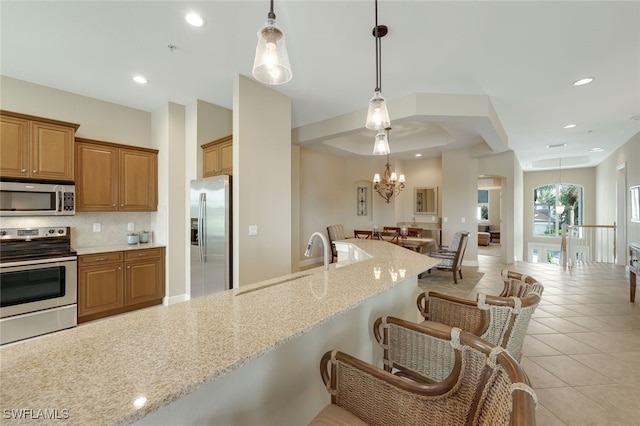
point(486, 386)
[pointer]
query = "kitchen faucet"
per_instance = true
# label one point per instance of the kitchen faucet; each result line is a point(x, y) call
point(325, 244)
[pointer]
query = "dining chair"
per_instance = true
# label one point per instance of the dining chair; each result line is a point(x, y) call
point(486, 386)
point(359, 233)
point(391, 228)
point(390, 236)
point(450, 257)
point(335, 232)
point(414, 232)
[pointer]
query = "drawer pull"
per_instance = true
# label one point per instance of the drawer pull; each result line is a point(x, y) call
point(100, 259)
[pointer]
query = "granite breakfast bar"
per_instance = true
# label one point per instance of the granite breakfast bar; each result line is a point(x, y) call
point(244, 356)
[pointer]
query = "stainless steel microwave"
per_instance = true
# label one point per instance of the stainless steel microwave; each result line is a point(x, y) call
point(37, 199)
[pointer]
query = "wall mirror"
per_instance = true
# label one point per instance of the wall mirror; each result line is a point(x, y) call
point(425, 201)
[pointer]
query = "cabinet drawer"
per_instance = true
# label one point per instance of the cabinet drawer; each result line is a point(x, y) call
point(143, 254)
point(100, 258)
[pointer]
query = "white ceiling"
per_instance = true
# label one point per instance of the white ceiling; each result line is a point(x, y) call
point(523, 55)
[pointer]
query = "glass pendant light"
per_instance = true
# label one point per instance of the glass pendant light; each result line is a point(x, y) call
point(381, 145)
point(271, 64)
point(378, 115)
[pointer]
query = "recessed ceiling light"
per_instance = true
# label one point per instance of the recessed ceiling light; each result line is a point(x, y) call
point(558, 145)
point(194, 19)
point(418, 155)
point(596, 150)
point(569, 126)
point(140, 79)
point(583, 81)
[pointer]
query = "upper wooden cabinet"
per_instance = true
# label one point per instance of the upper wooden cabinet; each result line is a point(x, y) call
point(218, 157)
point(113, 177)
point(36, 148)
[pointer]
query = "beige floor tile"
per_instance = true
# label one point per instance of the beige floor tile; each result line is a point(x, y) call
point(571, 371)
point(535, 347)
point(620, 367)
point(545, 417)
point(592, 323)
point(539, 377)
point(537, 328)
point(615, 399)
point(562, 325)
point(574, 408)
point(566, 344)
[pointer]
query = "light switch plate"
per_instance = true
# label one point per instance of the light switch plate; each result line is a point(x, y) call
point(130, 226)
point(97, 227)
point(253, 230)
point(464, 220)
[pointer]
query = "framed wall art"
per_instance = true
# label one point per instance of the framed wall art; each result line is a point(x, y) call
point(361, 196)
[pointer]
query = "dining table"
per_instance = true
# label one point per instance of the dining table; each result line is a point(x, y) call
point(417, 244)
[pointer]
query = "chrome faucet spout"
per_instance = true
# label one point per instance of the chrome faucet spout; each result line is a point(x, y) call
point(325, 244)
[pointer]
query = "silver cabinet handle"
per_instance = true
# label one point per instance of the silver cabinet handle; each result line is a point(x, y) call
point(128, 267)
point(121, 205)
point(24, 170)
point(119, 268)
point(113, 205)
point(34, 171)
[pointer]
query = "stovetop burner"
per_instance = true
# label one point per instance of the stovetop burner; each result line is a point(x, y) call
point(18, 244)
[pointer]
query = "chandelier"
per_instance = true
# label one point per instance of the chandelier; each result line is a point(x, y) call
point(390, 185)
point(271, 63)
point(377, 114)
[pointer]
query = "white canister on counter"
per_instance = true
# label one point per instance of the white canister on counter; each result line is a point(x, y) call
point(143, 237)
point(132, 238)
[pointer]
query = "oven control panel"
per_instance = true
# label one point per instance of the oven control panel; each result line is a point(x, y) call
point(33, 233)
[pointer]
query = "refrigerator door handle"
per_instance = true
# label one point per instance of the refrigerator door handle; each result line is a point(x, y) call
point(201, 227)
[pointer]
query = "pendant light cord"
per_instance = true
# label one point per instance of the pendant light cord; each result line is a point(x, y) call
point(378, 52)
point(271, 15)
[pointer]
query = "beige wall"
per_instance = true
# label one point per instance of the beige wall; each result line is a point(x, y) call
point(261, 182)
point(168, 128)
point(506, 166)
point(605, 177)
point(98, 119)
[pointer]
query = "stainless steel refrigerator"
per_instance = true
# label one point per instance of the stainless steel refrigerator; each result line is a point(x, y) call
point(211, 235)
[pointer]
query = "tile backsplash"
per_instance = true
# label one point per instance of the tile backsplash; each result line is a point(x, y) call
point(113, 226)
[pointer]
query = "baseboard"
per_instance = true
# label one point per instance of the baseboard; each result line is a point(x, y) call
point(166, 301)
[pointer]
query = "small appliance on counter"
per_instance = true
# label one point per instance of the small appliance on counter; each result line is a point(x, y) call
point(132, 239)
point(143, 236)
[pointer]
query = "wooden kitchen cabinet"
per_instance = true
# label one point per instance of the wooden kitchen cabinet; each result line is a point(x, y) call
point(113, 177)
point(35, 148)
point(217, 157)
point(117, 282)
point(100, 284)
point(144, 276)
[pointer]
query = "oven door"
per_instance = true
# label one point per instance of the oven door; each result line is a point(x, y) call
point(36, 285)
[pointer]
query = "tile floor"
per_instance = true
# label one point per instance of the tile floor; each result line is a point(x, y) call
point(582, 350)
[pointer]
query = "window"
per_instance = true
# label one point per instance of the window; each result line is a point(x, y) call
point(483, 205)
point(547, 222)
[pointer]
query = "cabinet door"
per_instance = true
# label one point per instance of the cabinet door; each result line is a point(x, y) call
point(210, 163)
point(51, 151)
point(14, 147)
point(143, 281)
point(100, 288)
point(226, 158)
point(138, 187)
point(96, 177)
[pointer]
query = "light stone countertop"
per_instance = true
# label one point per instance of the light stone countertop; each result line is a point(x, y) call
point(97, 370)
point(119, 247)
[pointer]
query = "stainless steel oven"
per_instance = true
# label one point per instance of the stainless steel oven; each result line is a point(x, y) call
point(38, 282)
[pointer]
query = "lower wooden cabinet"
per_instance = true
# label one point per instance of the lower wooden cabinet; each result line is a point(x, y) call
point(116, 282)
